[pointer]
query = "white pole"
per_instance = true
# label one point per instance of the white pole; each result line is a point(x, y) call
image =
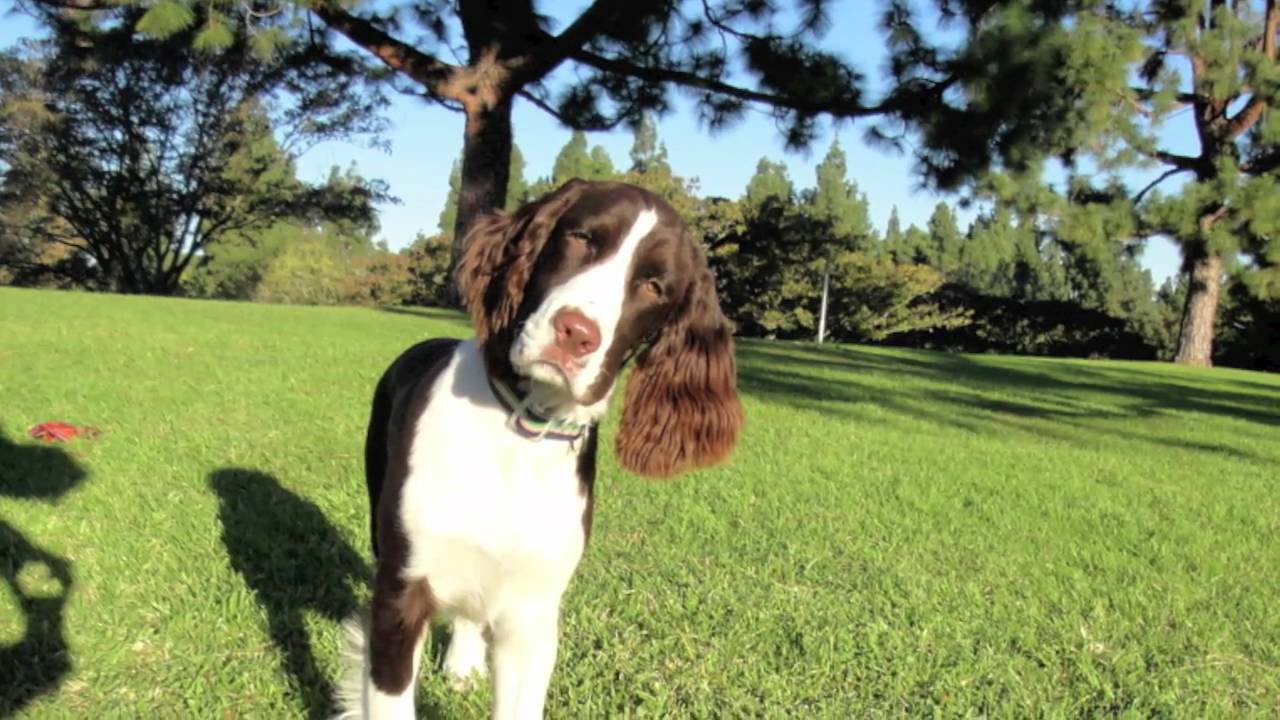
point(822, 312)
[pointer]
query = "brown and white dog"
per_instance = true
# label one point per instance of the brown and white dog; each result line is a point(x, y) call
point(481, 454)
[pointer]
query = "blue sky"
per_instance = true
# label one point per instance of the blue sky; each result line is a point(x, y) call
point(425, 139)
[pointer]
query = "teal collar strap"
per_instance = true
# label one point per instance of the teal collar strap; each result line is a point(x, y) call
point(529, 423)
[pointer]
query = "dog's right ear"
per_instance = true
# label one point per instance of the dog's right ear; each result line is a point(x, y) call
point(682, 410)
point(501, 251)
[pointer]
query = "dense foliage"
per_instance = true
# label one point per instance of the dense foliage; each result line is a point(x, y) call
point(990, 92)
point(1007, 283)
point(1183, 92)
point(202, 198)
point(124, 160)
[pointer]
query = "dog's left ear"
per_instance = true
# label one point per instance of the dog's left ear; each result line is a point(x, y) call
point(501, 250)
point(681, 410)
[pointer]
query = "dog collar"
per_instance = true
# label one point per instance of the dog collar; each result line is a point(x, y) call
point(528, 422)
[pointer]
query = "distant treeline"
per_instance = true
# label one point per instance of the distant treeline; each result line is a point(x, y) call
point(214, 209)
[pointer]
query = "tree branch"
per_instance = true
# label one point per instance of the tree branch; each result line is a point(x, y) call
point(396, 54)
point(1249, 115)
point(1151, 185)
point(1146, 94)
point(1264, 164)
point(84, 5)
point(1179, 162)
point(1252, 112)
point(547, 108)
point(690, 80)
point(558, 48)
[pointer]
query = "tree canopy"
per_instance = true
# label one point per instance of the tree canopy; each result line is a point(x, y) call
point(133, 156)
point(613, 62)
point(836, 202)
point(1133, 74)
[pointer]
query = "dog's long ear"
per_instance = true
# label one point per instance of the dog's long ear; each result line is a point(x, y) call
point(681, 409)
point(501, 250)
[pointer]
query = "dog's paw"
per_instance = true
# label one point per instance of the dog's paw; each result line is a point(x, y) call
point(469, 682)
point(464, 664)
point(465, 671)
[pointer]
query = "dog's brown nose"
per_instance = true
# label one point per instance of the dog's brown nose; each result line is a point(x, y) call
point(576, 334)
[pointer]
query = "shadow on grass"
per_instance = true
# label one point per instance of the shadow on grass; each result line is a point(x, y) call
point(837, 380)
point(430, 313)
point(40, 581)
point(295, 561)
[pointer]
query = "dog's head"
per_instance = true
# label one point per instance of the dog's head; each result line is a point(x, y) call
point(568, 288)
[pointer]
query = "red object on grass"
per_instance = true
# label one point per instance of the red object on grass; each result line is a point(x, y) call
point(60, 431)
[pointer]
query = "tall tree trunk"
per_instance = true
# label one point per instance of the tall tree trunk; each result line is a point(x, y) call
point(1195, 336)
point(126, 280)
point(486, 168)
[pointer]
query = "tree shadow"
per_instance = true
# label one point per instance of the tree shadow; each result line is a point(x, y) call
point(430, 313)
point(981, 394)
point(40, 581)
point(295, 561)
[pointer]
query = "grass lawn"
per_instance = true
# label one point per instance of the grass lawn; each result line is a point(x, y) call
point(900, 534)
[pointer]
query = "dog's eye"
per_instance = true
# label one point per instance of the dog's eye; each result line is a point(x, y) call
point(581, 237)
point(653, 288)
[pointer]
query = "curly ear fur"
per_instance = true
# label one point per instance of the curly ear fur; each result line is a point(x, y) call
point(681, 408)
point(501, 250)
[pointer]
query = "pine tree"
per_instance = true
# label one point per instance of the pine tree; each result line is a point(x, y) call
point(449, 213)
point(518, 190)
point(837, 204)
point(147, 156)
point(770, 183)
point(576, 160)
point(945, 240)
point(988, 257)
point(573, 160)
point(1051, 282)
point(915, 247)
point(968, 95)
point(1103, 92)
point(647, 151)
point(600, 166)
point(517, 186)
point(766, 275)
point(892, 244)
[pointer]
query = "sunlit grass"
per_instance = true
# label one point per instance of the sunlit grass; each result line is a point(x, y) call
point(900, 533)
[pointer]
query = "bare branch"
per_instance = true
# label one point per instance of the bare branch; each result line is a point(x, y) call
point(691, 80)
point(605, 123)
point(86, 5)
point(1248, 116)
point(396, 54)
point(1263, 164)
point(558, 48)
point(545, 107)
point(1181, 99)
point(1151, 185)
point(1251, 113)
point(1179, 162)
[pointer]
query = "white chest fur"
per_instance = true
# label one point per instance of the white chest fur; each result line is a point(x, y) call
point(494, 519)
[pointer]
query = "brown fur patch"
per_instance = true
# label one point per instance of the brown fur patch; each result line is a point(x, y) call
point(397, 621)
point(587, 480)
point(501, 250)
point(681, 408)
point(399, 610)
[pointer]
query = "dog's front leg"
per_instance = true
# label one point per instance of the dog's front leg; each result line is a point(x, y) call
point(465, 660)
point(524, 655)
point(398, 626)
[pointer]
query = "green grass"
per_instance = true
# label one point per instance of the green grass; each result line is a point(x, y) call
point(900, 534)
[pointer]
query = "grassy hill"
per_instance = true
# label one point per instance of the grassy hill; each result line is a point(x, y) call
point(900, 533)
